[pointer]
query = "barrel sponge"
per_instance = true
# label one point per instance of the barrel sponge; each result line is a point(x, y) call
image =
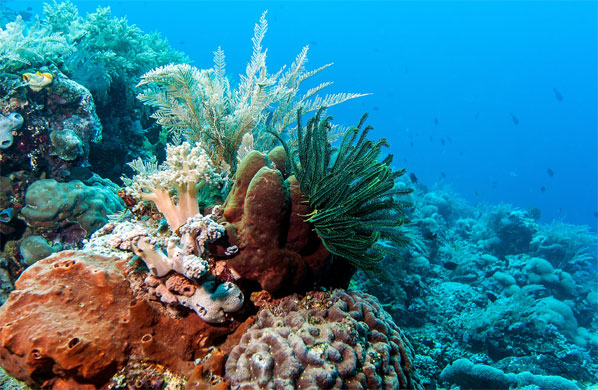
point(325, 340)
point(48, 203)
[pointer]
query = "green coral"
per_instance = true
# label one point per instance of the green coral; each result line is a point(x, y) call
point(353, 195)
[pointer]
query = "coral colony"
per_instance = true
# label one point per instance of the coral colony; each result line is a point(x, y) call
point(248, 225)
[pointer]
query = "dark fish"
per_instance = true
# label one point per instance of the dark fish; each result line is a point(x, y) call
point(413, 178)
point(543, 189)
point(80, 173)
point(436, 121)
point(29, 9)
point(595, 214)
point(26, 15)
point(442, 174)
point(450, 265)
point(491, 296)
point(558, 95)
point(442, 141)
point(515, 119)
point(550, 172)
point(411, 143)
point(376, 108)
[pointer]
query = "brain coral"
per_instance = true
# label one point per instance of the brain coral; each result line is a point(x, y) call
point(338, 340)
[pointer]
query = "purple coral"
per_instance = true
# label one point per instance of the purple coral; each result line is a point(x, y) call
point(342, 341)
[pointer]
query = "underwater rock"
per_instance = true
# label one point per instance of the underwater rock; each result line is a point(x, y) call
point(277, 249)
point(325, 340)
point(74, 318)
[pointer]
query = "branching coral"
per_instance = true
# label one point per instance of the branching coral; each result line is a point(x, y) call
point(202, 105)
point(174, 186)
point(350, 192)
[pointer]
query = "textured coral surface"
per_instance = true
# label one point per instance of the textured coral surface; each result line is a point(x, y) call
point(73, 317)
point(339, 340)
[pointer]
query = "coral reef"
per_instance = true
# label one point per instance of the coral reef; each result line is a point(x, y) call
point(500, 305)
point(324, 341)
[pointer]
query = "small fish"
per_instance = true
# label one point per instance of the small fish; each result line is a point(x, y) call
point(596, 214)
point(80, 173)
point(477, 115)
point(450, 265)
point(413, 178)
point(491, 296)
point(442, 175)
point(431, 139)
point(543, 189)
point(558, 95)
point(515, 119)
point(411, 143)
point(512, 174)
point(550, 172)
point(436, 121)
point(26, 15)
point(442, 141)
point(376, 108)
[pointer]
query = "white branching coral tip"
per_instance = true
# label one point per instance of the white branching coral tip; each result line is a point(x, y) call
point(174, 186)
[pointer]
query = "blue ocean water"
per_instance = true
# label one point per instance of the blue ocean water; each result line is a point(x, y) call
point(496, 99)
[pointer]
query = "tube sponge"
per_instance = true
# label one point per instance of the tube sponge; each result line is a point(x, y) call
point(8, 124)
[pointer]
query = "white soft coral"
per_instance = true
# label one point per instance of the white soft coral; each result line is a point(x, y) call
point(174, 186)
